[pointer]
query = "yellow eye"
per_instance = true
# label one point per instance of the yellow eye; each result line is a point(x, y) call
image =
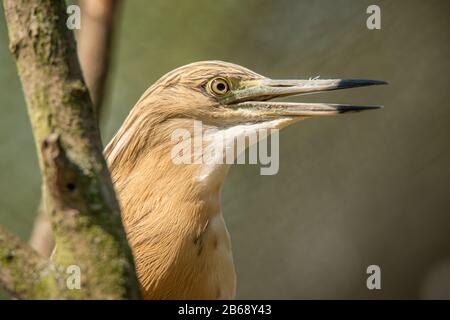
point(219, 86)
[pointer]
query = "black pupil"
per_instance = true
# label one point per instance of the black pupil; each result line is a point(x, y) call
point(221, 86)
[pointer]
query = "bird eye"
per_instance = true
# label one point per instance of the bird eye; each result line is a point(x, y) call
point(219, 86)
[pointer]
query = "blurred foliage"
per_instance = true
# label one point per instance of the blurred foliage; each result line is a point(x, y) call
point(352, 191)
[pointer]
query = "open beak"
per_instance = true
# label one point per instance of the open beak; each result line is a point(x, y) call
point(253, 96)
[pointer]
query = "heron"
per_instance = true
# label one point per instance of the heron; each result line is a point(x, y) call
point(171, 212)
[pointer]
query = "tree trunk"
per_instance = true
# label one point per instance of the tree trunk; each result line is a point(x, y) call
point(78, 190)
point(94, 44)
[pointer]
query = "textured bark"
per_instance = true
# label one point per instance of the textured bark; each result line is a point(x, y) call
point(78, 190)
point(94, 43)
point(23, 273)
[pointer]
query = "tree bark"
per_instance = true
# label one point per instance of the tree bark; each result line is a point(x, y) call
point(23, 273)
point(94, 42)
point(78, 190)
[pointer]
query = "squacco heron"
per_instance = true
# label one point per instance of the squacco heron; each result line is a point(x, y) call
point(171, 212)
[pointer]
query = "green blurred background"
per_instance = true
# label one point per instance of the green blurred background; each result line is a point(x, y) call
point(356, 190)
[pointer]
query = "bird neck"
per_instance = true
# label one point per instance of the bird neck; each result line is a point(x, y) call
point(173, 220)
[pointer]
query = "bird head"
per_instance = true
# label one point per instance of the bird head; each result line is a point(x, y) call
point(224, 97)
point(225, 94)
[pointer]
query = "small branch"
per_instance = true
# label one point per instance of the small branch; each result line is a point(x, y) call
point(22, 271)
point(94, 45)
point(41, 238)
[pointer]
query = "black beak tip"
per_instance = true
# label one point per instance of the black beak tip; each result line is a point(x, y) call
point(380, 82)
point(352, 108)
point(354, 83)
